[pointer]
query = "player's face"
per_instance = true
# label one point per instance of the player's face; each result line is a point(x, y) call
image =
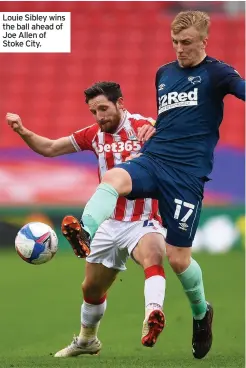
point(189, 47)
point(107, 114)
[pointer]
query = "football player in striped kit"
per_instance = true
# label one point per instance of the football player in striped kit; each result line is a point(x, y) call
point(134, 228)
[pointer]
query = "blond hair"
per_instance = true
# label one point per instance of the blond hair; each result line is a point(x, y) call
point(186, 19)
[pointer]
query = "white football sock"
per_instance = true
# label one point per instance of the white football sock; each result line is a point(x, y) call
point(154, 288)
point(91, 314)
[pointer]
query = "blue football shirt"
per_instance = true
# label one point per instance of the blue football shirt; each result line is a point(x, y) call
point(190, 111)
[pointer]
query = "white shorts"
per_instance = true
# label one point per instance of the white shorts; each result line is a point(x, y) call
point(115, 240)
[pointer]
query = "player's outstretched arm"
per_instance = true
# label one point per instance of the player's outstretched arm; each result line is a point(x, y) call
point(230, 81)
point(42, 145)
point(237, 85)
point(239, 88)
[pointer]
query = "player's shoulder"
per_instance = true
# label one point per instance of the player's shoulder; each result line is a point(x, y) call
point(88, 129)
point(219, 65)
point(166, 66)
point(138, 119)
point(88, 133)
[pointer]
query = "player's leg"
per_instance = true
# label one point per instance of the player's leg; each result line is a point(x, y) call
point(180, 206)
point(98, 280)
point(100, 272)
point(116, 182)
point(129, 177)
point(189, 273)
point(149, 253)
point(144, 242)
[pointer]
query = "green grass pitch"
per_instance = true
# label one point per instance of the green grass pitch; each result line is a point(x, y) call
point(40, 312)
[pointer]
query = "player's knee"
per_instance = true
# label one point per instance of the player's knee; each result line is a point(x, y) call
point(119, 179)
point(92, 290)
point(178, 261)
point(150, 254)
point(155, 258)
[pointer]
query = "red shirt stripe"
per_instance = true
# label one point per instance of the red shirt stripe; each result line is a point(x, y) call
point(112, 149)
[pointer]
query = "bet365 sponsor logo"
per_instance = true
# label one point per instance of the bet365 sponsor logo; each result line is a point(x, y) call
point(118, 147)
point(174, 99)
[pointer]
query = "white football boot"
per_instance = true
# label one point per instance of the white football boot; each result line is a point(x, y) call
point(77, 348)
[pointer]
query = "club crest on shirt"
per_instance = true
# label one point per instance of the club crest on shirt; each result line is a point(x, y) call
point(131, 135)
point(161, 87)
point(117, 137)
point(195, 80)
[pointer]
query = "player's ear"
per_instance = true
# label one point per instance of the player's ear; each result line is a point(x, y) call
point(120, 103)
point(204, 42)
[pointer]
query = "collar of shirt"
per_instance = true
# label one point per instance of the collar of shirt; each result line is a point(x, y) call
point(122, 121)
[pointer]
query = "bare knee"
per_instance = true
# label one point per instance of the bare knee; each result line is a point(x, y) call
point(178, 264)
point(92, 290)
point(119, 179)
point(98, 280)
point(150, 250)
point(155, 258)
point(178, 258)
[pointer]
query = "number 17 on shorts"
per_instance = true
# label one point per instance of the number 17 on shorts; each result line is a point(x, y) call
point(182, 222)
point(189, 211)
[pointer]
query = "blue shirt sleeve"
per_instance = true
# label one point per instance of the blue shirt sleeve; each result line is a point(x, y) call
point(230, 82)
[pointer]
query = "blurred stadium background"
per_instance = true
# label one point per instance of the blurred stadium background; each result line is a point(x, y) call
point(125, 42)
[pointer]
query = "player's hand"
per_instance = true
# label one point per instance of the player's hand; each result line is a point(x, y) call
point(146, 132)
point(132, 156)
point(14, 121)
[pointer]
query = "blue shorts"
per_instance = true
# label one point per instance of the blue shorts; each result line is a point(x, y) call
point(179, 194)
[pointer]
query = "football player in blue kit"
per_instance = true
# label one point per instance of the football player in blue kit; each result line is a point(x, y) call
point(176, 161)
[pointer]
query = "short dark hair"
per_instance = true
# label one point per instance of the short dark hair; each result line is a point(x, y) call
point(109, 89)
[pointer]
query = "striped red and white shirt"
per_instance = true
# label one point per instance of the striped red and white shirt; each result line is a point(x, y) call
point(112, 149)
